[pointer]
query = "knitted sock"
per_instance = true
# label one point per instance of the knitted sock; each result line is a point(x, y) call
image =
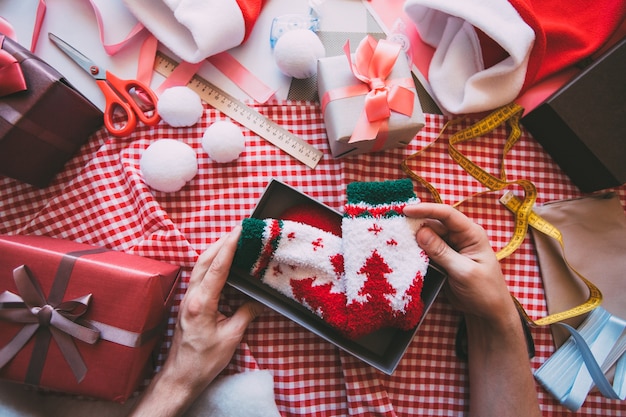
point(384, 267)
point(369, 279)
point(300, 261)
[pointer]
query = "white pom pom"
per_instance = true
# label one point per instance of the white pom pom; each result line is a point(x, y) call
point(180, 106)
point(297, 51)
point(223, 141)
point(167, 165)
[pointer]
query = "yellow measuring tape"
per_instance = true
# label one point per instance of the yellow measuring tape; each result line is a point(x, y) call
point(522, 209)
point(246, 115)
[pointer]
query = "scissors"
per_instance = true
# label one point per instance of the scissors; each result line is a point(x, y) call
point(125, 100)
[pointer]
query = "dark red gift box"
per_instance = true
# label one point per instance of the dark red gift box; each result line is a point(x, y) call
point(42, 127)
point(129, 302)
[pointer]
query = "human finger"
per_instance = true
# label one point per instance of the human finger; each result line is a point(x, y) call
point(204, 262)
point(460, 232)
point(440, 252)
point(216, 274)
point(244, 315)
point(451, 218)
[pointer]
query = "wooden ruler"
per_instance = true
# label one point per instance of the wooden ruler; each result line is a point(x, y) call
point(247, 116)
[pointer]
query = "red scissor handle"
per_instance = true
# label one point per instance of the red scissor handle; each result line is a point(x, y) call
point(113, 102)
point(117, 96)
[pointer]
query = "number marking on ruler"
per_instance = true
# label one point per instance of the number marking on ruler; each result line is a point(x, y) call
point(247, 116)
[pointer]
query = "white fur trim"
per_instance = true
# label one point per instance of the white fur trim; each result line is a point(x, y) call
point(192, 29)
point(249, 394)
point(457, 74)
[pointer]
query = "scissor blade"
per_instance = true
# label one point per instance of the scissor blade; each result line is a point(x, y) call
point(84, 62)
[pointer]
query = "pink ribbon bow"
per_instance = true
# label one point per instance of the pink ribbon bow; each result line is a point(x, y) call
point(373, 63)
point(31, 308)
point(11, 76)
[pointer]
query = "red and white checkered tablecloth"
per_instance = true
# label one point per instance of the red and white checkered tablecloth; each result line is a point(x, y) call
point(100, 199)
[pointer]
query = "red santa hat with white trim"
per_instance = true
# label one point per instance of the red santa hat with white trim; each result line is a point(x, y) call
point(488, 51)
point(197, 29)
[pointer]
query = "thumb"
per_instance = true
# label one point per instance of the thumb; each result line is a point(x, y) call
point(245, 314)
point(437, 249)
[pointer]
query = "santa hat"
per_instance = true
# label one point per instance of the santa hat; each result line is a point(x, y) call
point(197, 29)
point(487, 52)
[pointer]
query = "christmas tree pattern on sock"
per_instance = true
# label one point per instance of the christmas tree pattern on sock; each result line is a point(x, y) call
point(370, 278)
point(383, 264)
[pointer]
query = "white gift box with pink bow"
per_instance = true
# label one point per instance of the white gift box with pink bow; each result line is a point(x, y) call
point(368, 99)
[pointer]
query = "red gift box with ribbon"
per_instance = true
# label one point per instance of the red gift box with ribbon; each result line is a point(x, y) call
point(368, 98)
point(80, 319)
point(43, 119)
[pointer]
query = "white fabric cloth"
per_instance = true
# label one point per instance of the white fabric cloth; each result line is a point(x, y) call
point(247, 394)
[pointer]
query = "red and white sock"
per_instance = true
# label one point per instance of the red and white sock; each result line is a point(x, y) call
point(368, 279)
point(384, 266)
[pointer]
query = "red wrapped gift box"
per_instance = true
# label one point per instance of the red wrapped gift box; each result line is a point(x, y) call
point(130, 298)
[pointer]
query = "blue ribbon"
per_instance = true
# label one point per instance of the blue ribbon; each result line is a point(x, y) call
point(571, 372)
